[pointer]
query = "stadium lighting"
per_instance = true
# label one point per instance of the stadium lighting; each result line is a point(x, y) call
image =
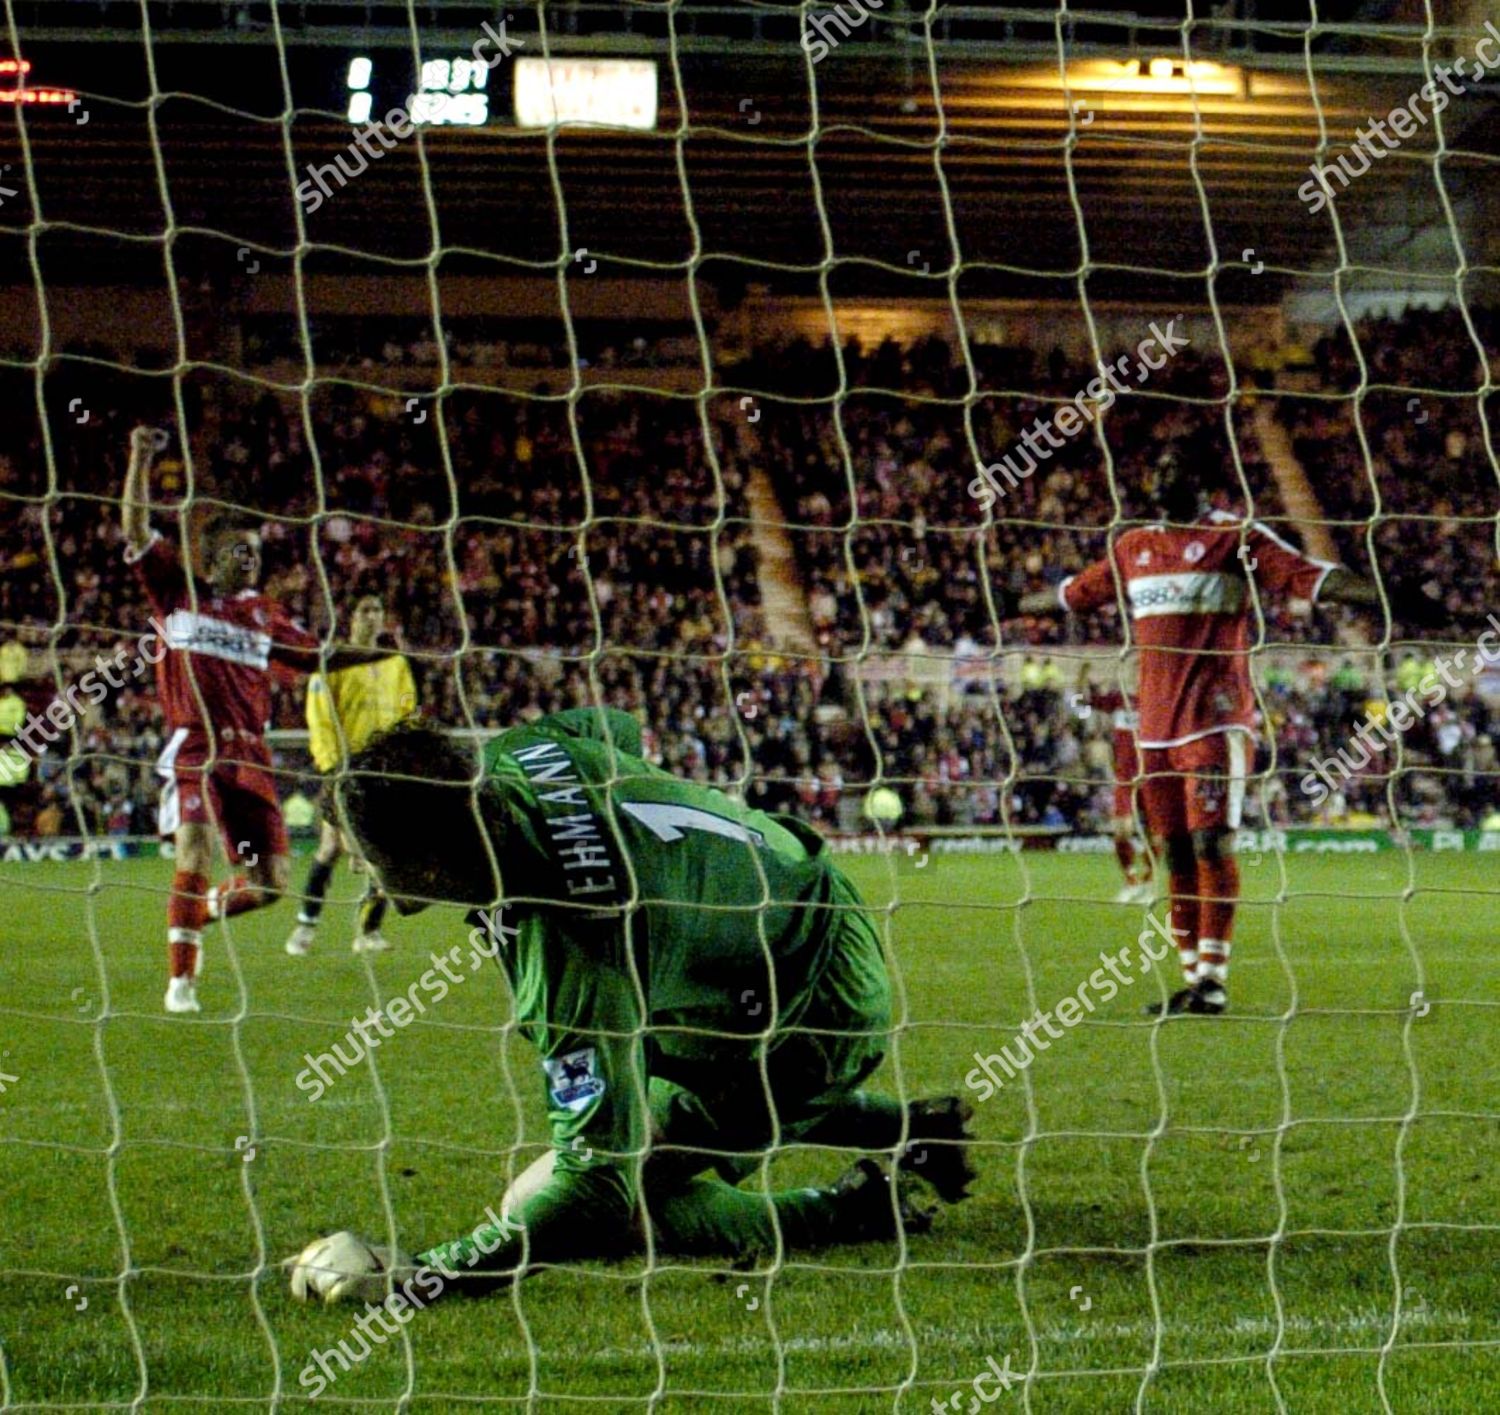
point(612, 93)
point(1161, 75)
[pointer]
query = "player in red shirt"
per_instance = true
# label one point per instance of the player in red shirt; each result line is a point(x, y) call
point(222, 639)
point(1190, 584)
point(1124, 723)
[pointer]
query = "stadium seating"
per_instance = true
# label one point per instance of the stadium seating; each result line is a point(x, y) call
point(472, 532)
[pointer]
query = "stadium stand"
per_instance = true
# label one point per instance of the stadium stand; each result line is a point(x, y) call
point(897, 569)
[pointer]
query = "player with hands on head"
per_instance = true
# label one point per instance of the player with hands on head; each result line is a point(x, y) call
point(1186, 585)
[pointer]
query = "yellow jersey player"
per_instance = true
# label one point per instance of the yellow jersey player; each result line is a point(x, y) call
point(345, 709)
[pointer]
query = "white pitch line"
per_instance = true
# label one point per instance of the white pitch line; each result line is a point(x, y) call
point(1349, 1324)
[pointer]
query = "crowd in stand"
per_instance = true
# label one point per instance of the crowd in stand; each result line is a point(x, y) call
point(539, 553)
point(894, 546)
point(1418, 404)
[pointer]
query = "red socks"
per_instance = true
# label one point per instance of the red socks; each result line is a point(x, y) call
point(193, 904)
point(1219, 891)
point(1135, 864)
point(1185, 912)
point(235, 895)
point(187, 912)
point(1204, 896)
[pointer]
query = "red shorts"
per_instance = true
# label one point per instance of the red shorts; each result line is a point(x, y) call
point(1127, 769)
point(1197, 786)
point(236, 796)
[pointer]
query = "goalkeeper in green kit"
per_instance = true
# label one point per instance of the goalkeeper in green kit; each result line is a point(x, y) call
point(702, 985)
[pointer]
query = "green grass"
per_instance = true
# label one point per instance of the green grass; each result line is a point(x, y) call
point(1213, 1215)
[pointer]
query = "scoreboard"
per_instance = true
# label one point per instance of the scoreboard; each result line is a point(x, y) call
point(450, 93)
point(459, 90)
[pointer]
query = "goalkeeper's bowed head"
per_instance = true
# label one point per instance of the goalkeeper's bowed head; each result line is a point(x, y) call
point(413, 801)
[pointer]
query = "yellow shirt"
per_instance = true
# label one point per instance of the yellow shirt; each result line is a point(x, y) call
point(13, 659)
point(15, 760)
point(12, 713)
point(348, 707)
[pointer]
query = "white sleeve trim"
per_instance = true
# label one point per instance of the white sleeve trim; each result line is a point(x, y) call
point(1062, 593)
point(1271, 535)
point(1327, 567)
point(131, 556)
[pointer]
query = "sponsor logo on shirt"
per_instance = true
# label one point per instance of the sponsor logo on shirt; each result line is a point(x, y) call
point(1192, 592)
point(573, 1080)
point(217, 638)
point(1210, 792)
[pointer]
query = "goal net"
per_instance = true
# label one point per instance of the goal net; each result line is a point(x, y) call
point(737, 367)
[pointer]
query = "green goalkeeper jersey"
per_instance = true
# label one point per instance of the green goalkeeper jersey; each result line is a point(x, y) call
point(653, 927)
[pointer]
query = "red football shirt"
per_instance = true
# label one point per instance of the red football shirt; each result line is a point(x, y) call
point(1187, 592)
point(214, 679)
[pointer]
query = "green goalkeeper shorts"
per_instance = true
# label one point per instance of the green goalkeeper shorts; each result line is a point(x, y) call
point(841, 1037)
point(838, 1041)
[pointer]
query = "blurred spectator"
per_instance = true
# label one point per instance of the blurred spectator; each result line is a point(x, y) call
point(49, 816)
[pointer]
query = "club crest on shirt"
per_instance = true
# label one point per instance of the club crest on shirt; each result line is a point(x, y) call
point(1210, 791)
point(573, 1080)
point(1194, 551)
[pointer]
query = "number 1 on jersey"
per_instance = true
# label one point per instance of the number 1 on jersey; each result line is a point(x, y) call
point(668, 822)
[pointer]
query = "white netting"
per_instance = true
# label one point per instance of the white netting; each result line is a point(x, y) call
point(691, 498)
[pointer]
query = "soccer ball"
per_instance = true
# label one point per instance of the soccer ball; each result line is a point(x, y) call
point(883, 806)
point(343, 1268)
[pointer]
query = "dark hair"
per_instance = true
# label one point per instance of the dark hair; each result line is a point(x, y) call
point(1187, 469)
point(212, 529)
point(410, 798)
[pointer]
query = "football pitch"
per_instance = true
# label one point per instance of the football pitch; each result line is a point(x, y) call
point(1290, 1208)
